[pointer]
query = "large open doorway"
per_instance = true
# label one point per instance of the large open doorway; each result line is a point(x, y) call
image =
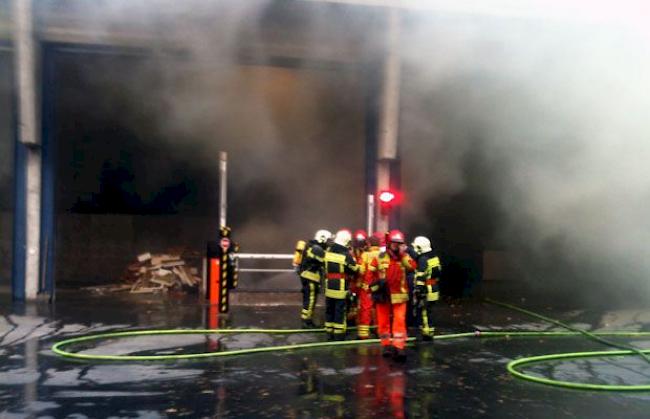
point(137, 139)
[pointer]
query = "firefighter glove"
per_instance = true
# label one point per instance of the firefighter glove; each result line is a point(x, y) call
point(352, 298)
point(379, 291)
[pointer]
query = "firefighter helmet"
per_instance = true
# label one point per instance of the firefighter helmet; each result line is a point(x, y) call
point(421, 245)
point(360, 236)
point(343, 237)
point(322, 236)
point(396, 236)
point(381, 238)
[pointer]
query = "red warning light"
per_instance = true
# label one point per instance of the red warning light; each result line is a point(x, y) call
point(387, 200)
point(386, 197)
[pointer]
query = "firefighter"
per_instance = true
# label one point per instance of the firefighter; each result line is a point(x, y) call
point(426, 284)
point(381, 238)
point(359, 246)
point(411, 315)
point(308, 261)
point(339, 266)
point(391, 294)
point(368, 274)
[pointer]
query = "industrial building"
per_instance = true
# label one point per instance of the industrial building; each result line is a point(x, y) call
point(510, 136)
point(113, 115)
point(110, 138)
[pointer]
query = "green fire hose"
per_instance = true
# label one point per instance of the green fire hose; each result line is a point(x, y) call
point(625, 351)
point(514, 367)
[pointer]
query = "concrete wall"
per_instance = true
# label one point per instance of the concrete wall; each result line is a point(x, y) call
point(93, 248)
point(6, 169)
point(96, 248)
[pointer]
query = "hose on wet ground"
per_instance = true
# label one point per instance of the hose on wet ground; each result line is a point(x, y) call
point(514, 367)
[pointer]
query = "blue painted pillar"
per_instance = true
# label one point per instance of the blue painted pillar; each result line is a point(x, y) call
point(27, 280)
point(20, 216)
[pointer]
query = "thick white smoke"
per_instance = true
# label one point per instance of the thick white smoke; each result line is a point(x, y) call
point(557, 111)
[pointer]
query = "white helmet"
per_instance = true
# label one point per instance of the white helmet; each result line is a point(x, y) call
point(322, 236)
point(343, 237)
point(421, 245)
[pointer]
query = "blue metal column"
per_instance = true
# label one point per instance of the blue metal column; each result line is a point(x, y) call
point(20, 211)
point(28, 161)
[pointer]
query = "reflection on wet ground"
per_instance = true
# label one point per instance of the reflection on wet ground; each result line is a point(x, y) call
point(464, 378)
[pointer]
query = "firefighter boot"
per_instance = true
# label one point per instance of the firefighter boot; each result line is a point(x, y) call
point(309, 324)
point(388, 351)
point(400, 355)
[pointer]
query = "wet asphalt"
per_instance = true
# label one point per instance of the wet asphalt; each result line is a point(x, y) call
point(455, 378)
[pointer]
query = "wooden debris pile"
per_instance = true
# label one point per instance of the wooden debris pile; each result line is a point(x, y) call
point(161, 273)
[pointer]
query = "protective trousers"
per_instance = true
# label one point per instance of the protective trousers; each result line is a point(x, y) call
point(391, 324)
point(426, 313)
point(309, 293)
point(335, 308)
point(364, 317)
point(411, 319)
point(426, 319)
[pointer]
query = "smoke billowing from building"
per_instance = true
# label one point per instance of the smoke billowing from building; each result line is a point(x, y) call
point(543, 124)
point(522, 134)
point(235, 76)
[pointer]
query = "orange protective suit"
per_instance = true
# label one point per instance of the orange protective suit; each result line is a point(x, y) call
point(392, 266)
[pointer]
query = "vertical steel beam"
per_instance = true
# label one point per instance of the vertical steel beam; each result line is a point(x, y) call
point(370, 215)
point(389, 111)
point(223, 187)
point(383, 183)
point(389, 118)
point(25, 74)
point(28, 137)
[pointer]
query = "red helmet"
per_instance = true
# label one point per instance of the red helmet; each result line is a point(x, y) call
point(360, 235)
point(381, 238)
point(396, 236)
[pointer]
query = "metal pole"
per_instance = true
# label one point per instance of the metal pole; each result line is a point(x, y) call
point(389, 117)
point(25, 66)
point(383, 183)
point(370, 216)
point(268, 256)
point(389, 111)
point(28, 136)
point(223, 185)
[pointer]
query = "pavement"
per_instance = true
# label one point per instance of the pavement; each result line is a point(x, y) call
point(454, 378)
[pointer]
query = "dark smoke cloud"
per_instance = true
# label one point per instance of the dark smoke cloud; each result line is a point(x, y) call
point(275, 84)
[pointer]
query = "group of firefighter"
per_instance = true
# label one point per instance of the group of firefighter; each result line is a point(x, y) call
point(363, 274)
